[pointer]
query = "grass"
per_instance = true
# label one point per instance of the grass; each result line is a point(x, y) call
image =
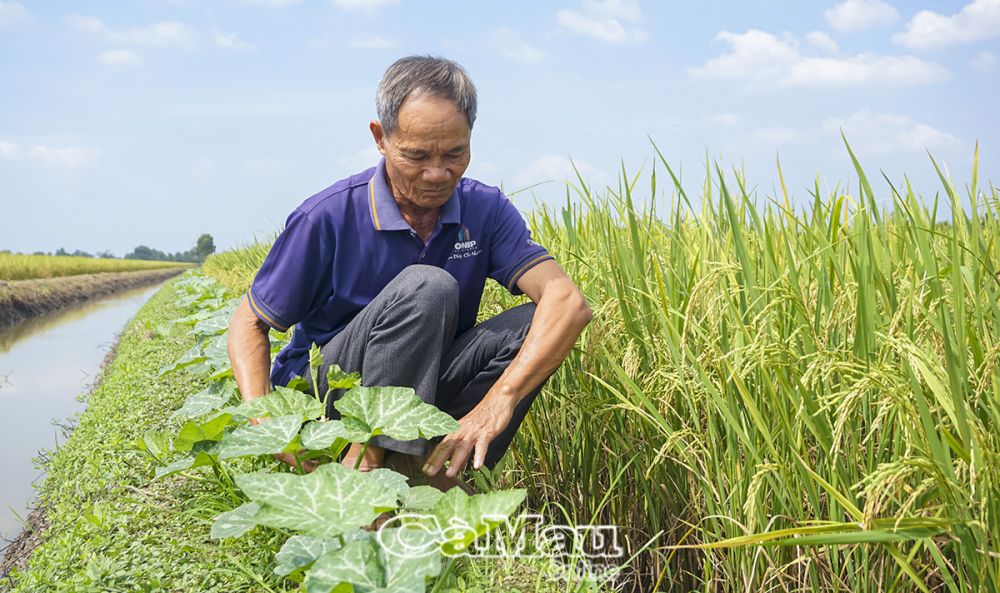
point(28, 267)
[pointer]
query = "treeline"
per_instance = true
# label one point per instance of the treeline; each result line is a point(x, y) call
point(204, 247)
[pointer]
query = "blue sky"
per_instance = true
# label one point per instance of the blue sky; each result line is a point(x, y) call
point(153, 121)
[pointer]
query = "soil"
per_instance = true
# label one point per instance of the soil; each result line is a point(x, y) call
point(21, 299)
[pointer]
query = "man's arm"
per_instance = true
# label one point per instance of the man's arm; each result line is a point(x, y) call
point(560, 316)
point(249, 352)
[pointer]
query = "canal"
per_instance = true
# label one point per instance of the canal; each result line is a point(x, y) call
point(46, 364)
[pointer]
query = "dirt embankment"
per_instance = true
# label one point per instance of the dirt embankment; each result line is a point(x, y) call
point(22, 299)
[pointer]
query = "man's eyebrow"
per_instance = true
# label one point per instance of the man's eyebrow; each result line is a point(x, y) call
point(459, 147)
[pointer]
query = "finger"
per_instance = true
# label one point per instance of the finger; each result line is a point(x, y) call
point(482, 446)
point(438, 457)
point(458, 459)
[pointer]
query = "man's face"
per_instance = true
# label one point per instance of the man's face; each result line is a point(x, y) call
point(428, 153)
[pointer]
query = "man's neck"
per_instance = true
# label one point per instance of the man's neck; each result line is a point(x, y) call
point(421, 220)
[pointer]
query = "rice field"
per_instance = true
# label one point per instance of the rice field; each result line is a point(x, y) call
point(28, 267)
point(773, 398)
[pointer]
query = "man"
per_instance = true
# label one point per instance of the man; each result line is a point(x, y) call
point(385, 271)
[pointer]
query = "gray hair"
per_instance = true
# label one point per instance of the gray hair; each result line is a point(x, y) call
point(414, 76)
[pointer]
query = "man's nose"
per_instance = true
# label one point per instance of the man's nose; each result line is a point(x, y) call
point(436, 175)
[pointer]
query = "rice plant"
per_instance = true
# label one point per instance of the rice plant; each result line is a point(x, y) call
point(782, 399)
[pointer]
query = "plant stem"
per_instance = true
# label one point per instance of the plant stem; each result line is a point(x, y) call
point(364, 447)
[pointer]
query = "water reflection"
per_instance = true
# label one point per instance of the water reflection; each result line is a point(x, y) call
point(45, 364)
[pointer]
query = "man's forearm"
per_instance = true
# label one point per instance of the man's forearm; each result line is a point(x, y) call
point(560, 316)
point(249, 352)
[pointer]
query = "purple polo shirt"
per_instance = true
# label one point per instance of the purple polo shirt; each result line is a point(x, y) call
point(342, 246)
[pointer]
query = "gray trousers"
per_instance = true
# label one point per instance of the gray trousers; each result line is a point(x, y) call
point(406, 337)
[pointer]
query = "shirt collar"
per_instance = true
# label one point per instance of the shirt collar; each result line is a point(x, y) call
point(385, 212)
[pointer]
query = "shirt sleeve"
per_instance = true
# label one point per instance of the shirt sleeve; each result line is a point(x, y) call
point(512, 251)
point(296, 276)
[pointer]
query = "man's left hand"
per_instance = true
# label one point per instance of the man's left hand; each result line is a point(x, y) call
point(476, 431)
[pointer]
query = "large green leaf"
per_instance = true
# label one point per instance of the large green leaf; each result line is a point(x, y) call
point(156, 443)
point(201, 454)
point(336, 378)
point(195, 355)
point(390, 480)
point(465, 518)
point(300, 551)
point(235, 522)
point(193, 432)
point(282, 402)
point(399, 561)
point(394, 411)
point(216, 323)
point(321, 434)
point(207, 400)
point(269, 436)
point(329, 501)
point(421, 498)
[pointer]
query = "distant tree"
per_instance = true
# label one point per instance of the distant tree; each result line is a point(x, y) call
point(79, 253)
point(61, 251)
point(204, 247)
point(105, 254)
point(147, 253)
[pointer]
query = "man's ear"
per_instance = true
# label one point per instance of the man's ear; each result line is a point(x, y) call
point(378, 134)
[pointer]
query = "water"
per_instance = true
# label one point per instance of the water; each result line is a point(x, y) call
point(45, 364)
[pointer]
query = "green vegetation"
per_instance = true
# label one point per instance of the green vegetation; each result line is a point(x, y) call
point(27, 267)
point(772, 399)
point(222, 514)
point(785, 400)
point(235, 269)
point(779, 399)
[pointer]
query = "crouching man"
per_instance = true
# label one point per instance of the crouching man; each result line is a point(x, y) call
point(385, 271)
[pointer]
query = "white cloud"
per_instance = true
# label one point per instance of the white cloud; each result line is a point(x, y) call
point(165, 33)
point(553, 167)
point(978, 20)
point(854, 15)
point(369, 6)
point(763, 60)
point(613, 21)
point(69, 158)
point(889, 133)
point(822, 41)
point(230, 41)
point(985, 61)
point(722, 119)
point(119, 57)
point(12, 12)
point(777, 135)
point(511, 45)
point(371, 41)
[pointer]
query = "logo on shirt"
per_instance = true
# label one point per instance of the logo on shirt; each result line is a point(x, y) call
point(465, 245)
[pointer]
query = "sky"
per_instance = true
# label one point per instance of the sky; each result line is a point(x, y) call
point(154, 121)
